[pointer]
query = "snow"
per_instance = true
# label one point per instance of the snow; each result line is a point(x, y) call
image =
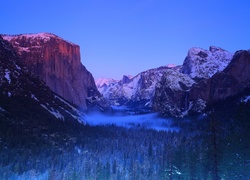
point(34, 97)
point(62, 100)
point(7, 75)
point(2, 110)
point(141, 86)
point(174, 78)
point(26, 49)
point(53, 112)
point(78, 118)
point(130, 76)
point(9, 94)
point(171, 65)
point(205, 63)
point(149, 103)
point(246, 99)
point(79, 113)
point(7, 37)
point(101, 81)
point(130, 89)
point(200, 105)
point(44, 36)
point(18, 67)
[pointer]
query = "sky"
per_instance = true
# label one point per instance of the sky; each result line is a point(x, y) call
point(126, 37)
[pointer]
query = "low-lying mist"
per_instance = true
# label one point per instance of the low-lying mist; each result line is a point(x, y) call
point(147, 121)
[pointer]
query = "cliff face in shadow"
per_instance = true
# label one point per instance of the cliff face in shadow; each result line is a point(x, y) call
point(234, 80)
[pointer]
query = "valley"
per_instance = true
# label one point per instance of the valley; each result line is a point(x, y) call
point(188, 121)
point(210, 147)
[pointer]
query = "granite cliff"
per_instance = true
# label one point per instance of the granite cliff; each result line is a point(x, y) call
point(201, 63)
point(232, 81)
point(27, 99)
point(57, 63)
point(134, 92)
point(205, 78)
point(215, 75)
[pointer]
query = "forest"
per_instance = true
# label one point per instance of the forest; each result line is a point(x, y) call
point(210, 146)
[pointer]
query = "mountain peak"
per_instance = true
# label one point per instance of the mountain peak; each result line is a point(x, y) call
point(213, 49)
point(171, 65)
point(201, 63)
point(126, 79)
point(100, 82)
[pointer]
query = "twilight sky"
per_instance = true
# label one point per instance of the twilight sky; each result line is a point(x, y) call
point(120, 37)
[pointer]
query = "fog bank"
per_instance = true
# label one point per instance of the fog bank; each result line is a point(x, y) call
point(147, 121)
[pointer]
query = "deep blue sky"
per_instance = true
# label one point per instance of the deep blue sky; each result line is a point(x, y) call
point(120, 37)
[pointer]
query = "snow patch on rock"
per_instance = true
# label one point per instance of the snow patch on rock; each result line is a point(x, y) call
point(2, 110)
point(175, 80)
point(34, 97)
point(201, 63)
point(245, 99)
point(7, 75)
point(53, 112)
point(100, 82)
point(138, 88)
point(37, 36)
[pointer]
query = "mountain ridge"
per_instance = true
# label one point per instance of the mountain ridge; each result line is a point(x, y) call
point(174, 90)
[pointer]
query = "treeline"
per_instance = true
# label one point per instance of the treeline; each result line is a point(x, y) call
point(215, 146)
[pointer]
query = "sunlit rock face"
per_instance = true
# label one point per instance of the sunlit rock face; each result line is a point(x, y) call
point(57, 63)
point(24, 96)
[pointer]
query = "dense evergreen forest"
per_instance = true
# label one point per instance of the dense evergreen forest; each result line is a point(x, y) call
point(212, 146)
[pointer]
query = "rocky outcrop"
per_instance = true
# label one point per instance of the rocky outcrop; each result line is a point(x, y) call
point(104, 82)
point(232, 81)
point(135, 92)
point(171, 94)
point(125, 79)
point(206, 77)
point(201, 63)
point(167, 89)
point(195, 94)
point(24, 96)
point(57, 63)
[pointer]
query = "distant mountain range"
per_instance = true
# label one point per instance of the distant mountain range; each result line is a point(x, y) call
point(205, 78)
